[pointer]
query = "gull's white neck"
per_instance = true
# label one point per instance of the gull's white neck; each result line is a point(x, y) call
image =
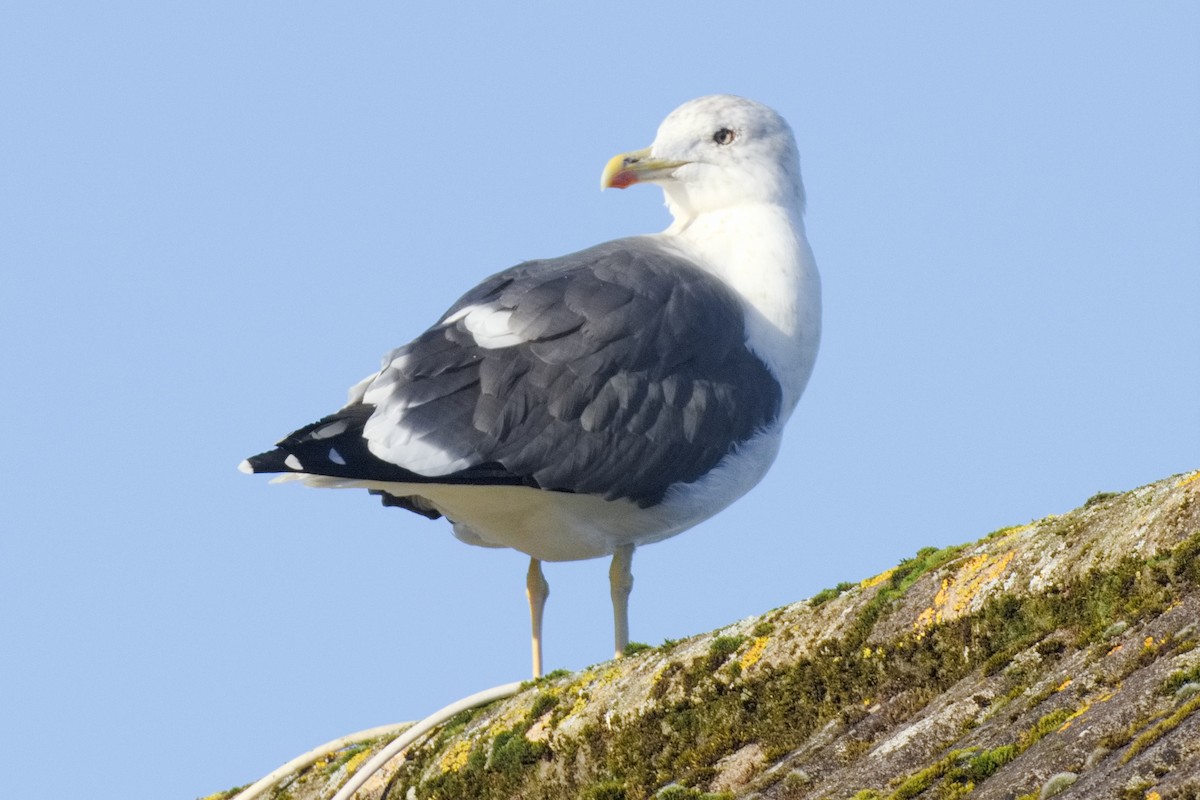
point(760, 251)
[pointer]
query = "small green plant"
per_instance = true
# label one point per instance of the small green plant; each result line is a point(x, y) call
point(825, 595)
point(1185, 561)
point(1100, 497)
point(541, 704)
point(1116, 629)
point(633, 648)
point(918, 782)
point(1187, 691)
point(983, 765)
point(549, 677)
point(724, 646)
point(1180, 677)
point(1045, 724)
point(1057, 784)
point(511, 752)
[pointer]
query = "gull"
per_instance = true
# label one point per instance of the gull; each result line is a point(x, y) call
point(581, 406)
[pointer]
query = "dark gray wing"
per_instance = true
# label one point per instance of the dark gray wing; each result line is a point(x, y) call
point(618, 371)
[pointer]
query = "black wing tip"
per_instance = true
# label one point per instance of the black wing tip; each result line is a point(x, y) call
point(270, 461)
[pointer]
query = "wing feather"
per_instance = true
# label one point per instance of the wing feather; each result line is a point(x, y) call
point(619, 371)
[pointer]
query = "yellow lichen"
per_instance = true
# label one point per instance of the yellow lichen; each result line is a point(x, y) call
point(578, 688)
point(956, 592)
point(1189, 478)
point(1004, 533)
point(878, 579)
point(609, 675)
point(1064, 685)
point(455, 758)
point(751, 656)
point(1103, 698)
point(1076, 713)
point(358, 758)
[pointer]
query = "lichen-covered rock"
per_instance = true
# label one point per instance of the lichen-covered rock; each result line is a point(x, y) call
point(1063, 647)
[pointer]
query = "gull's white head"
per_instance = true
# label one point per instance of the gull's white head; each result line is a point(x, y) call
point(713, 153)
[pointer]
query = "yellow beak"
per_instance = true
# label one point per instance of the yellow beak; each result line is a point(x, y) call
point(627, 169)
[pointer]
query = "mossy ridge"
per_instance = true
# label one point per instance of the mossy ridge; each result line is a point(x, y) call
point(496, 764)
point(1161, 728)
point(960, 771)
point(899, 580)
point(780, 707)
point(825, 595)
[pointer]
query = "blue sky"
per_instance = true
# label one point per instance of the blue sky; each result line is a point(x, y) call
point(214, 218)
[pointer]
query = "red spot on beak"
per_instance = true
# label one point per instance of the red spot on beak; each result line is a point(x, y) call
point(623, 179)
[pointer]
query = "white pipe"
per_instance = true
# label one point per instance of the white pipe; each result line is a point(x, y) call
point(300, 762)
point(416, 731)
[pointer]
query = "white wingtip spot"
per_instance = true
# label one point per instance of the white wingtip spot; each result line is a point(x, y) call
point(332, 429)
point(336, 457)
point(245, 467)
point(291, 462)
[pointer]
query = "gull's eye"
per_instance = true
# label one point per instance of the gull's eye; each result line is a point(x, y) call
point(724, 136)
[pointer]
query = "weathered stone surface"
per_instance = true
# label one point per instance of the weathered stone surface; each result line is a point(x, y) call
point(992, 670)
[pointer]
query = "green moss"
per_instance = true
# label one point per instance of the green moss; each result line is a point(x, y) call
point(701, 716)
point(918, 782)
point(347, 753)
point(606, 790)
point(724, 646)
point(958, 773)
point(1178, 678)
point(906, 573)
point(825, 595)
point(681, 793)
point(1100, 497)
point(822, 597)
point(633, 648)
point(763, 629)
point(1161, 728)
point(549, 677)
point(1000, 533)
point(1045, 725)
point(541, 704)
point(983, 765)
point(512, 752)
point(1185, 560)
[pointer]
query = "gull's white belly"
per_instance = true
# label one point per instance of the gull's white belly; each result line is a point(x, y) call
point(563, 526)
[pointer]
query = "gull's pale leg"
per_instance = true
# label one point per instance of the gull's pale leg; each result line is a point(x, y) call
point(620, 579)
point(537, 590)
